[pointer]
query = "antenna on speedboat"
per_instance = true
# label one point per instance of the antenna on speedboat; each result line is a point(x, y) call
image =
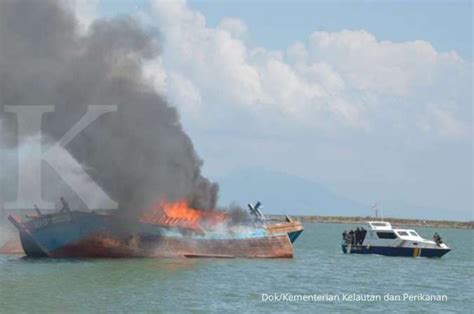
point(374, 207)
point(376, 210)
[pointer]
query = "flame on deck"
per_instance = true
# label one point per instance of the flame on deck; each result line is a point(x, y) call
point(180, 214)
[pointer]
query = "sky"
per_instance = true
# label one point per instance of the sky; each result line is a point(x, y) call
point(371, 99)
point(447, 25)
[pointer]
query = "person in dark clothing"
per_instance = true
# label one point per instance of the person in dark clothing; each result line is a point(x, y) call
point(357, 236)
point(344, 235)
point(65, 205)
point(437, 238)
point(363, 233)
point(351, 233)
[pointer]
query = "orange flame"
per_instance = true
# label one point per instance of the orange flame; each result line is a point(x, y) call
point(179, 214)
point(180, 210)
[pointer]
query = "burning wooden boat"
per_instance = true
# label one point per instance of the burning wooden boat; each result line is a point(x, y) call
point(168, 230)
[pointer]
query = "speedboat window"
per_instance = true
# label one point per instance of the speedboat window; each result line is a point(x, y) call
point(386, 235)
point(413, 233)
point(379, 224)
point(402, 233)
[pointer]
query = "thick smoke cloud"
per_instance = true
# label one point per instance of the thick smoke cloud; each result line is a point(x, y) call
point(137, 154)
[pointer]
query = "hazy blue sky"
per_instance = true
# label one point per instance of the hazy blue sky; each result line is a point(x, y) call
point(277, 24)
point(370, 99)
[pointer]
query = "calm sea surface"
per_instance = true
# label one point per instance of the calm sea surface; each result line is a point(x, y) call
point(237, 285)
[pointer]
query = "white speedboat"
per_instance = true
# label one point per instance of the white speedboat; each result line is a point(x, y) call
point(380, 238)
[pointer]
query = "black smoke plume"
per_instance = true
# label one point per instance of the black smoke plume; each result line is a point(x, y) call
point(137, 154)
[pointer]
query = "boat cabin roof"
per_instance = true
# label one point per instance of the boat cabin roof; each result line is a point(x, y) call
point(385, 229)
point(408, 234)
point(379, 225)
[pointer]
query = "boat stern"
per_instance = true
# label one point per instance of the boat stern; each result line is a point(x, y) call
point(291, 227)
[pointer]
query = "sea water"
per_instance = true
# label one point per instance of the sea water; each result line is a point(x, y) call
point(320, 278)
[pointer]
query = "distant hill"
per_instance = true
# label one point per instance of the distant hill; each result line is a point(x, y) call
point(285, 194)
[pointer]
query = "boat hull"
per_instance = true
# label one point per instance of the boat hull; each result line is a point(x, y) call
point(160, 246)
point(292, 228)
point(81, 234)
point(395, 251)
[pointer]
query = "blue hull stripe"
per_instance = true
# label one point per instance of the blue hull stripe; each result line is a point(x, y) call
point(395, 251)
point(294, 235)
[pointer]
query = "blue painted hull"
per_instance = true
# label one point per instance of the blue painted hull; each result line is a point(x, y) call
point(294, 235)
point(50, 233)
point(395, 251)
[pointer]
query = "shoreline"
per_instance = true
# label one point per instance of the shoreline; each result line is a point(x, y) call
point(394, 221)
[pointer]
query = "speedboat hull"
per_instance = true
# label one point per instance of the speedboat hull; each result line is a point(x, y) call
point(394, 251)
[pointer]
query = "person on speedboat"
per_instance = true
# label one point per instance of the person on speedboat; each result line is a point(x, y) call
point(362, 234)
point(351, 237)
point(437, 239)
